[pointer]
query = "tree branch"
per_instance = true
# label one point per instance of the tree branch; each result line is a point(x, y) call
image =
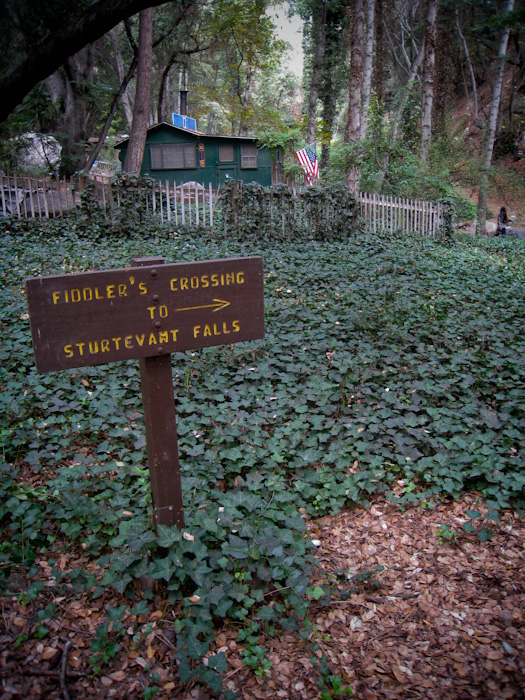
point(53, 50)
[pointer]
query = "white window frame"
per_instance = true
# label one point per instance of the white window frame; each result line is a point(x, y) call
point(249, 156)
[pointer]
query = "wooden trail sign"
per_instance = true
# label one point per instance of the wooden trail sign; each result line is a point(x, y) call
point(147, 311)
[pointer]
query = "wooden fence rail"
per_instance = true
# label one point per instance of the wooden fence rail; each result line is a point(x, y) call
point(386, 213)
point(23, 197)
point(194, 204)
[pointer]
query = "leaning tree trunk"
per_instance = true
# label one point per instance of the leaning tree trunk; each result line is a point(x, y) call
point(469, 64)
point(429, 65)
point(320, 47)
point(368, 66)
point(353, 125)
point(491, 126)
point(109, 116)
point(124, 98)
point(137, 138)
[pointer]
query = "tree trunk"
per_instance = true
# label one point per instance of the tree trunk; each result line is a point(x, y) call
point(162, 111)
point(137, 139)
point(491, 126)
point(378, 77)
point(329, 99)
point(69, 91)
point(470, 67)
point(320, 47)
point(429, 65)
point(353, 125)
point(368, 66)
point(109, 117)
point(124, 98)
point(244, 99)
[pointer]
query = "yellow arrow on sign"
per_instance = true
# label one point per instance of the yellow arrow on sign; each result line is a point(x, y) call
point(216, 306)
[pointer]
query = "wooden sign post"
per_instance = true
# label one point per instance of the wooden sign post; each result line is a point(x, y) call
point(147, 311)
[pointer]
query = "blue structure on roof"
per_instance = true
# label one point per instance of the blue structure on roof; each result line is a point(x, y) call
point(183, 121)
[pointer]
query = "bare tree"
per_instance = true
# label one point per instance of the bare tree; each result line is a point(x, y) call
point(353, 124)
point(111, 113)
point(491, 125)
point(429, 65)
point(368, 65)
point(320, 47)
point(469, 64)
point(396, 121)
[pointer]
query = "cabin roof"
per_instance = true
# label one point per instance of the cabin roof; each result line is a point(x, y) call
point(201, 135)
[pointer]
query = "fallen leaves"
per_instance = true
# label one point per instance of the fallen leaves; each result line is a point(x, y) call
point(447, 620)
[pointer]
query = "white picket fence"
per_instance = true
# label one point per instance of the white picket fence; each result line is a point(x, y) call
point(188, 203)
point(192, 203)
point(386, 213)
point(184, 203)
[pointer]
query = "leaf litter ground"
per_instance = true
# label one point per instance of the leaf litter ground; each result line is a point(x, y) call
point(391, 375)
point(442, 621)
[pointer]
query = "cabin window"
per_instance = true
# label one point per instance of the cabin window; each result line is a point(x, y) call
point(249, 156)
point(226, 153)
point(173, 156)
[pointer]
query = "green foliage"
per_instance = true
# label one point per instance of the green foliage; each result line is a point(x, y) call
point(476, 523)
point(252, 211)
point(283, 140)
point(330, 685)
point(445, 533)
point(253, 654)
point(102, 648)
point(23, 517)
point(476, 519)
point(128, 215)
point(394, 168)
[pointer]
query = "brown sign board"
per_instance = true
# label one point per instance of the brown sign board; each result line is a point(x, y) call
point(91, 318)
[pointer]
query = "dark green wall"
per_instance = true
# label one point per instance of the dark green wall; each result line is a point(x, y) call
point(213, 171)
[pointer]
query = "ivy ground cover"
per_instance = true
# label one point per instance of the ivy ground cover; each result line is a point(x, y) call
point(389, 367)
point(386, 366)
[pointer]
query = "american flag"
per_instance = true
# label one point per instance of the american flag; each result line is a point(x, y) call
point(308, 158)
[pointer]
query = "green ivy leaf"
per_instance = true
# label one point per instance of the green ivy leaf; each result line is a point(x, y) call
point(484, 535)
point(473, 514)
point(162, 569)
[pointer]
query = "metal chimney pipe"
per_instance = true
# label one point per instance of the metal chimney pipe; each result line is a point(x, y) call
point(183, 101)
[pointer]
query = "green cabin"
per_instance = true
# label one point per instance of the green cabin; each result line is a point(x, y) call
point(178, 155)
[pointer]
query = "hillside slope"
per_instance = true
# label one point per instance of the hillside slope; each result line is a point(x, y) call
point(507, 184)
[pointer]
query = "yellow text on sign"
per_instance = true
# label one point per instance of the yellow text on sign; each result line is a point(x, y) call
point(108, 291)
point(225, 279)
point(130, 342)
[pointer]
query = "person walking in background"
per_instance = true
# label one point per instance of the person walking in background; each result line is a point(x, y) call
point(502, 222)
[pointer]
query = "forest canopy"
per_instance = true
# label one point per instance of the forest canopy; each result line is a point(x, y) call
point(380, 86)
